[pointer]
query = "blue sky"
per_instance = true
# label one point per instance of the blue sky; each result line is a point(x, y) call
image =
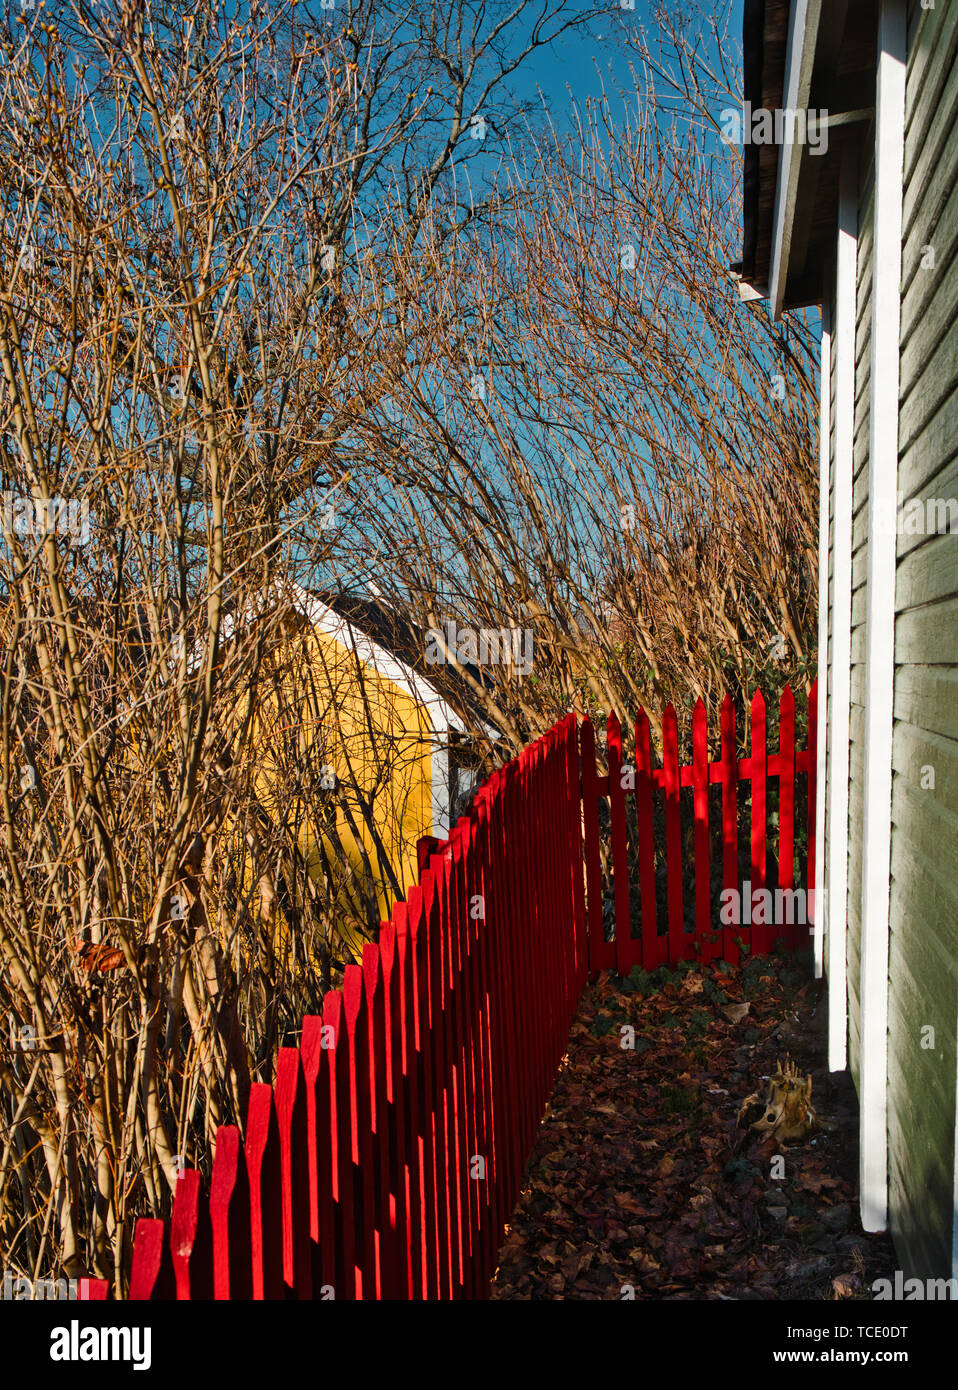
point(580, 66)
point(573, 67)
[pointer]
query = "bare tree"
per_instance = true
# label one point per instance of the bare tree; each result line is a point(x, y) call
point(219, 223)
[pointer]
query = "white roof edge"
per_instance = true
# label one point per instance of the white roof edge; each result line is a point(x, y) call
point(441, 714)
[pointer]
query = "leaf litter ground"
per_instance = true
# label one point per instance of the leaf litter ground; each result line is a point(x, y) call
point(642, 1185)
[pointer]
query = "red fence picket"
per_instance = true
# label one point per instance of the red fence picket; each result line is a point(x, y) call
point(728, 771)
point(679, 948)
point(263, 1172)
point(94, 1289)
point(229, 1218)
point(700, 811)
point(655, 948)
point(785, 768)
point(389, 1154)
point(190, 1240)
point(762, 934)
point(151, 1273)
point(290, 1098)
point(620, 846)
point(601, 953)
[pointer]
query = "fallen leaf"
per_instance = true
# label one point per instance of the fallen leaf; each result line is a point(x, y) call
point(815, 1182)
point(99, 956)
point(628, 1203)
point(846, 1285)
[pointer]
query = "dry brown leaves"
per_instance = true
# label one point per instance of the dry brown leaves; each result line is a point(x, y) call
point(641, 1184)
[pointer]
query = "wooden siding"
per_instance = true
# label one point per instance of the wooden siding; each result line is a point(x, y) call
point(923, 946)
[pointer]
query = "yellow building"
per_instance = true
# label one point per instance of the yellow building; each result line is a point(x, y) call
point(359, 747)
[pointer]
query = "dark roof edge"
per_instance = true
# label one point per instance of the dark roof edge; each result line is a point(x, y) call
point(753, 48)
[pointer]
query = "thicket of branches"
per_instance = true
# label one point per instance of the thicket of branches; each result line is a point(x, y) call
point(635, 479)
point(272, 310)
point(210, 216)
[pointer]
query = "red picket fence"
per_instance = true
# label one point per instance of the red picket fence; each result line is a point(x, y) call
point(387, 1156)
point(389, 1153)
point(673, 935)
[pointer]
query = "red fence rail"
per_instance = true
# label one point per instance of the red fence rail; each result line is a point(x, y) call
point(387, 1156)
point(656, 934)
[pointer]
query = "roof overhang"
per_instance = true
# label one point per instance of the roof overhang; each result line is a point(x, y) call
point(811, 63)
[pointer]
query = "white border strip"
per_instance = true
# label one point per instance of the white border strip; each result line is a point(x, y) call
point(820, 917)
point(843, 345)
point(880, 613)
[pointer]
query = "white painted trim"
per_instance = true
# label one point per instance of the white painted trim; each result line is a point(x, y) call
point(820, 918)
point(441, 791)
point(880, 611)
point(843, 425)
point(799, 62)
